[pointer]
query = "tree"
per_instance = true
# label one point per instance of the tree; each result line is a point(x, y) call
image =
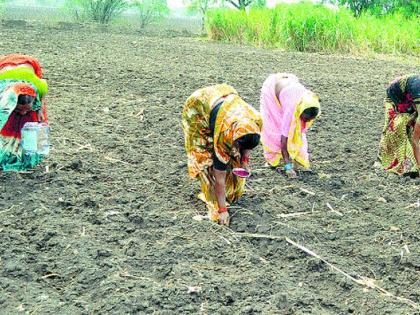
point(406, 7)
point(259, 4)
point(380, 7)
point(359, 6)
point(240, 4)
point(201, 7)
point(151, 10)
point(102, 11)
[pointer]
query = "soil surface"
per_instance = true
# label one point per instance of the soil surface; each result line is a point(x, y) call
point(105, 224)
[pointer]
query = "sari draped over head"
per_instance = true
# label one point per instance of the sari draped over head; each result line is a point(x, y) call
point(19, 75)
point(235, 119)
point(23, 68)
point(281, 117)
point(402, 112)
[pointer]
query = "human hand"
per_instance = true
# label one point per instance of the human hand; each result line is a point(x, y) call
point(291, 173)
point(40, 116)
point(224, 218)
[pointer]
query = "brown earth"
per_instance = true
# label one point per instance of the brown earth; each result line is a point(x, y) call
point(108, 227)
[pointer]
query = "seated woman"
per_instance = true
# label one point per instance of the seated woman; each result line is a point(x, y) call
point(220, 130)
point(399, 150)
point(288, 109)
point(21, 100)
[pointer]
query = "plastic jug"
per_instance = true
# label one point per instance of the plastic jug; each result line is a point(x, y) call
point(35, 138)
point(43, 142)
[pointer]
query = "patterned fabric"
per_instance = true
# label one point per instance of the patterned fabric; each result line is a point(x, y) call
point(17, 60)
point(404, 94)
point(283, 119)
point(12, 157)
point(396, 151)
point(24, 68)
point(234, 120)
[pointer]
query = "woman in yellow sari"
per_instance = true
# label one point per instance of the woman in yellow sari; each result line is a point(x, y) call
point(399, 150)
point(220, 130)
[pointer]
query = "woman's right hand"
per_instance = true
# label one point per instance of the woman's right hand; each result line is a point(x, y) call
point(291, 173)
point(224, 218)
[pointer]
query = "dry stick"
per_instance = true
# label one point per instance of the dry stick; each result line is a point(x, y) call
point(50, 275)
point(363, 281)
point(256, 235)
point(115, 160)
point(333, 210)
point(324, 162)
point(141, 112)
point(307, 191)
point(414, 205)
point(84, 146)
point(34, 310)
point(259, 169)
point(25, 172)
point(280, 188)
point(249, 187)
point(295, 214)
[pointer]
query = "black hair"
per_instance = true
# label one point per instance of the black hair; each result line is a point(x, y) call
point(310, 113)
point(249, 141)
point(24, 99)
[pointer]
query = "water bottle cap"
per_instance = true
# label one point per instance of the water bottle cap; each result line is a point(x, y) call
point(30, 125)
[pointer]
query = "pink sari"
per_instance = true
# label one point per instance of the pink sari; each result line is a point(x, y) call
point(278, 120)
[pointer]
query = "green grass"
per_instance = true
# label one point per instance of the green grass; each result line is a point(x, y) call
point(315, 28)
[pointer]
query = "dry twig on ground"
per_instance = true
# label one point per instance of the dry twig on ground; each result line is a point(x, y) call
point(361, 280)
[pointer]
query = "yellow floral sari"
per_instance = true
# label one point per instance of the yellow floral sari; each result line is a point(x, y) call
point(235, 119)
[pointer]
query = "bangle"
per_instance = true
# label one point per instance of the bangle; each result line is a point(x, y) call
point(222, 209)
point(288, 167)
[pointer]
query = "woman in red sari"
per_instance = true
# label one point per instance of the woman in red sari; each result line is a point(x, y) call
point(22, 91)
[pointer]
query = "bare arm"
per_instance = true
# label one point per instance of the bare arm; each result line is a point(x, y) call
point(40, 115)
point(416, 144)
point(289, 172)
point(40, 112)
point(284, 151)
point(220, 187)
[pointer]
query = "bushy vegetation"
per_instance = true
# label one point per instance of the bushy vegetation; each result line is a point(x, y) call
point(150, 11)
point(316, 28)
point(101, 11)
point(2, 4)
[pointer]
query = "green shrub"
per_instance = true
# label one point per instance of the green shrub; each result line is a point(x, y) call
point(150, 11)
point(101, 11)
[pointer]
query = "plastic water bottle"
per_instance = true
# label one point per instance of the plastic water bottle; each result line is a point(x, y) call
point(35, 138)
point(29, 141)
point(43, 143)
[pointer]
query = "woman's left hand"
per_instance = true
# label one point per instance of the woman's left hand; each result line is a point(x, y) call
point(40, 116)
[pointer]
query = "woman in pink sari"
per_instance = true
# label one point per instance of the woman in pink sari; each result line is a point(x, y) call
point(288, 110)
